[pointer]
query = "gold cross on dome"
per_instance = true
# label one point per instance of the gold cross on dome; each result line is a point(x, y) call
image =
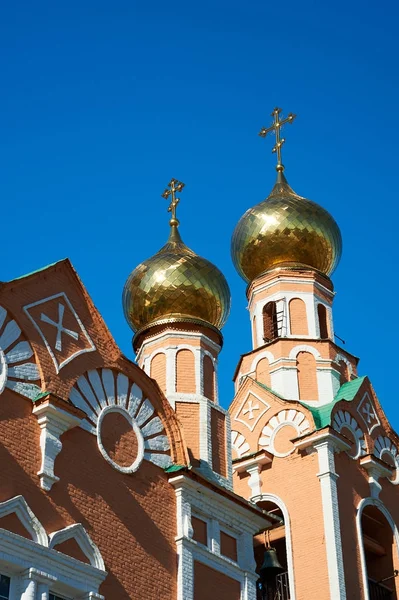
point(173, 186)
point(276, 128)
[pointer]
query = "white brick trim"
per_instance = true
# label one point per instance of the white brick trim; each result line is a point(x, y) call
point(332, 528)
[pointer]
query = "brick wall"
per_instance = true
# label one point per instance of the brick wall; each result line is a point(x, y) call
point(263, 371)
point(307, 377)
point(218, 432)
point(185, 372)
point(188, 415)
point(209, 583)
point(298, 319)
point(158, 370)
point(209, 378)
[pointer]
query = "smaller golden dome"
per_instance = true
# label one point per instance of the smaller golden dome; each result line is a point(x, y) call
point(176, 285)
point(285, 228)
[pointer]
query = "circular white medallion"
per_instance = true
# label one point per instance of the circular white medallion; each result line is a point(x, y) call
point(136, 429)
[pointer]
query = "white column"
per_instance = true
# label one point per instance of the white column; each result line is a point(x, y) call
point(36, 584)
point(28, 589)
point(332, 529)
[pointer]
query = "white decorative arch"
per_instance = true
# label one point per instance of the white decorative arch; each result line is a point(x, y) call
point(239, 443)
point(304, 348)
point(343, 419)
point(207, 353)
point(78, 533)
point(97, 390)
point(31, 523)
point(291, 417)
point(341, 357)
point(18, 369)
point(265, 354)
point(381, 507)
point(288, 539)
point(383, 445)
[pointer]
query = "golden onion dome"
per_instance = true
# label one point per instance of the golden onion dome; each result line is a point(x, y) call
point(176, 285)
point(285, 228)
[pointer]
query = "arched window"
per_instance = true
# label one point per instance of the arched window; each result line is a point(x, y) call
point(263, 372)
point(158, 370)
point(323, 323)
point(298, 319)
point(380, 554)
point(209, 378)
point(185, 372)
point(270, 324)
point(307, 376)
point(276, 585)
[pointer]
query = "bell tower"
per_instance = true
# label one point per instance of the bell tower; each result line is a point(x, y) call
point(177, 302)
point(286, 248)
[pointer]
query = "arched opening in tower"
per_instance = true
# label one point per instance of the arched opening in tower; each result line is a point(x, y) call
point(323, 324)
point(380, 554)
point(270, 324)
point(270, 550)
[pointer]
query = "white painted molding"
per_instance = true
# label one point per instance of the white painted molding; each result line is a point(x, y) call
point(304, 348)
point(332, 527)
point(264, 354)
point(361, 506)
point(288, 536)
point(53, 422)
point(46, 565)
point(239, 443)
point(78, 533)
point(19, 506)
point(292, 418)
point(383, 445)
point(343, 419)
point(18, 371)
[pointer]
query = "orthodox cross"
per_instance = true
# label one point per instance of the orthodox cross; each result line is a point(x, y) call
point(173, 186)
point(276, 128)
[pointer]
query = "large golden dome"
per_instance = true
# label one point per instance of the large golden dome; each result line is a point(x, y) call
point(285, 228)
point(176, 285)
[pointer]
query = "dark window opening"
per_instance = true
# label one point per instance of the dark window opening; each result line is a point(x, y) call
point(272, 321)
point(323, 327)
point(4, 587)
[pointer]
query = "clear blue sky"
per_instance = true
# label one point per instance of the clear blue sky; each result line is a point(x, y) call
point(103, 102)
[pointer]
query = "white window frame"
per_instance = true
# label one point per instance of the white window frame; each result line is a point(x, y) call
point(36, 568)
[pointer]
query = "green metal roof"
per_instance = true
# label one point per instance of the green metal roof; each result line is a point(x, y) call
point(37, 270)
point(262, 385)
point(322, 414)
point(174, 468)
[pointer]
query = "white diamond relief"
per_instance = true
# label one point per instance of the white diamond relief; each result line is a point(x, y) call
point(60, 328)
point(367, 412)
point(251, 410)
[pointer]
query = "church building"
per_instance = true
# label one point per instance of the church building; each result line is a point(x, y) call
point(129, 480)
